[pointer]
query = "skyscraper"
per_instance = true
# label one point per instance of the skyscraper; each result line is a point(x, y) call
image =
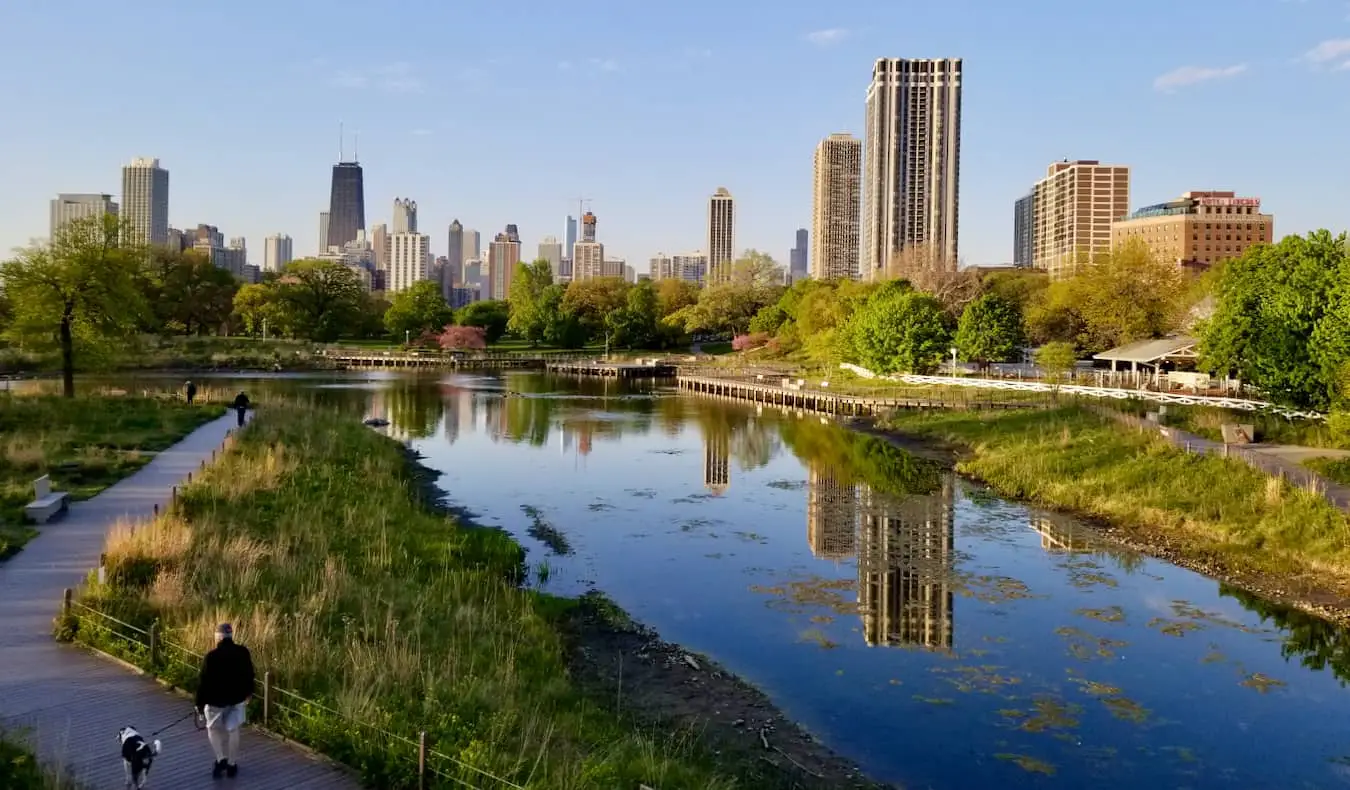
point(1024, 229)
point(836, 208)
point(588, 255)
point(570, 234)
point(405, 215)
point(66, 208)
point(551, 250)
point(276, 252)
point(453, 273)
point(379, 242)
point(503, 255)
point(145, 200)
point(473, 249)
point(1073, 208)
point(513, 233)
point(912, 161)
point(347, 204)
point(798, 256)
point(408, 259)
point(588, 222)
point(721, 236)
point(323, 232)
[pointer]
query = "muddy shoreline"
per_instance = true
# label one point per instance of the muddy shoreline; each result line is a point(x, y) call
point(628, 669)
point(1293, 593)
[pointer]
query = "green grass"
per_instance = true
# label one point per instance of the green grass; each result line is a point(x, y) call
point(311, 536)
point(1209, 508)
point(1206, 421)
point(1334, 469)
point(20, 770)
point(718, 348)
point(85, 444)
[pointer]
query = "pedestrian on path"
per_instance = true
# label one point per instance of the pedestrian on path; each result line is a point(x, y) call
point(191, 391)
point(241, 404)
point(224, 688)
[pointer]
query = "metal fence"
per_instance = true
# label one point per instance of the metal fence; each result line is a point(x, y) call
point(279, 710)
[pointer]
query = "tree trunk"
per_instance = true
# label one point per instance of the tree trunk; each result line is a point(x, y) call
point(67, 359)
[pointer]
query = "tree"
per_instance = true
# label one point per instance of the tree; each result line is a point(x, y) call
point(258, 308)
point(673, 295)
point(635, 324)
point(1279, 316)
point(1056, 359)
point(990, 330)
point(490, 314)
point(900, 330)
point(563, 329)
point(930, 272)
point(322, 298)
point(757, 269)
point(592, 300)
point(187, 293)
point(463, 337)
point(527, 317)
point(417, 309)
point(80, 290)
point(1127, 295)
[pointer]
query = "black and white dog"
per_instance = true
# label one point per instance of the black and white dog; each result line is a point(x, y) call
point(137, 755)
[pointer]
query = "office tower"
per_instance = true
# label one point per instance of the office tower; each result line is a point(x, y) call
point(179, 241)
point(629, 273)
point(473, 274)
point(1199, 229)
point(912, 163)
point(691, 266)
point(1072, 209)
point(716, 460)
point(513, 233)
point(379, 243)
point(145, 200)
point(798, 256)
point(570, 233)
point(662, 267)
point(407, 260)
point(347, 204)
point(276, 252)
point(613, 267)
point(405, 215)
point(551, 250)
point(453, 273)
point(831, 513)
point(836, 208)
point(66, 207)
point(588, 223)
point(721, 236)
point(472, 245)
point(503, 255)
point(588, 255)
point(323, 231)
point(234, 258)
point(1024, 230)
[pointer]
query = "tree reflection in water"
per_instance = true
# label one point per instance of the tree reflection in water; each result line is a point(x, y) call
point(1316, 643)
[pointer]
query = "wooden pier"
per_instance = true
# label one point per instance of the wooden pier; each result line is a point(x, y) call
point(612, 369)
point(360, 361)
point(821, 401)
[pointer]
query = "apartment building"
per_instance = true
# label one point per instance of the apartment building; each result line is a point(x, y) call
point(1073, 209)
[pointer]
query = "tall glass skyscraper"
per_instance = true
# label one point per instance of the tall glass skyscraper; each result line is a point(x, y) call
point(347, 205)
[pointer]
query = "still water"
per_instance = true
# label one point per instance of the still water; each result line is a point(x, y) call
point(933, 632)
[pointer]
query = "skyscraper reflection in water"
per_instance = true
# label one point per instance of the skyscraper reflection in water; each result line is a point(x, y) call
point(716, 461)
point(905, 552)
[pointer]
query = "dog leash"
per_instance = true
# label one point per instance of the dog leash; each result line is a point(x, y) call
point(180, 720)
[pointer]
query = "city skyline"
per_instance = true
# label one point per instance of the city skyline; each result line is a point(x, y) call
point(253, 178)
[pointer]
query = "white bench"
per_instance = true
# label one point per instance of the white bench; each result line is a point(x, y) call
point(46, 502)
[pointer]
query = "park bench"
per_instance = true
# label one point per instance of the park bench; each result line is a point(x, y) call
point(46, 502)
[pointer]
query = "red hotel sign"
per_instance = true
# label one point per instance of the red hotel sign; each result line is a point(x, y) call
point(1237, 201)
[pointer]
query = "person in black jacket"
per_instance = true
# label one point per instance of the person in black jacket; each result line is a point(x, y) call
point(240, 405)
point(224, 688)
point(191, 391)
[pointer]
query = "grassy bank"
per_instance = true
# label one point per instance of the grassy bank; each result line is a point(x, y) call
point(1215, 514)
point(84, 444)
point(311, 535)
point(20, 770)
point(1335, 469)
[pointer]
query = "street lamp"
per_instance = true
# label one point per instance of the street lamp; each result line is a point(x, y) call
point(406, 333)
point(953, 361)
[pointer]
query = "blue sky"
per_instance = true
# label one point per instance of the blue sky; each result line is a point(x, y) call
point(497, 112)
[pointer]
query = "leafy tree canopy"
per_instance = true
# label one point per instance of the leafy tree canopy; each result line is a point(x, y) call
point(418, 309)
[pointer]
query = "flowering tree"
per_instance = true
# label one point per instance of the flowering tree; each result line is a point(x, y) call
point(463, 337)
point(747, 342)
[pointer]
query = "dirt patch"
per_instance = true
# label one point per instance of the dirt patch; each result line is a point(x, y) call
point(626, 665)
point(1294, 591)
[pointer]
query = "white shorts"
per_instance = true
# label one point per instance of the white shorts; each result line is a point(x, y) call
point(228, 718)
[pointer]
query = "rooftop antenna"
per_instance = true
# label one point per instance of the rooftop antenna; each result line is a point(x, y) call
point(341, 140)
point(356, 146)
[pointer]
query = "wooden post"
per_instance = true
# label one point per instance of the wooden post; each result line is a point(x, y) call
point(173, 494)
point(154, 644)
point(66, 598)
point(267, 696)
point(422, 760)
point(156, 509)
point(102, 568)
point(189, 478)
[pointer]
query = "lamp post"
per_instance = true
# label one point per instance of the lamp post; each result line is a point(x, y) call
point(406, 335)
point(953, 361)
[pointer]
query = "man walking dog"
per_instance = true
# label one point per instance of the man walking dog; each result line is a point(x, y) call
point(225, 686)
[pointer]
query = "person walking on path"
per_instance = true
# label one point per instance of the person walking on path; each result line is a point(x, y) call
point(191, 391)
point(224, 688)
point(241, 405)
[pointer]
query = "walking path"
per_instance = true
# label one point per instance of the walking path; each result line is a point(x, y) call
point(72, 702)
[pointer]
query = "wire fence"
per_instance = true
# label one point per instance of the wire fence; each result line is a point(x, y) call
point(408, 761)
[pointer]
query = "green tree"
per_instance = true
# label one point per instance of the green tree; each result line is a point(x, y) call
point(563, 329)
point(592, 300)
point(1056, 359)
point(418, 309)
point(1127, 295)
point(528, 319)
point(899, 331)
point(80, 291)
point(673, 295)
point(258, 308)
point(990, 330)
point(322, 298)
point(186, 292)
point(490, 314)
point(635, 324)
point(1278, 318)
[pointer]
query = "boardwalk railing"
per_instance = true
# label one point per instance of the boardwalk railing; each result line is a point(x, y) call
point(399, 760)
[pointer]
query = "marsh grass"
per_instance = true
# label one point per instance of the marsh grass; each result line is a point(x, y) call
point(1207, 422)
point(20, 769)
point(1335, 469)
point(1206, 506)
point(310, 536)
point(85, 444)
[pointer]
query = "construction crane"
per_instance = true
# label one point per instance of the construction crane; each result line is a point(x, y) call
point(583, 204)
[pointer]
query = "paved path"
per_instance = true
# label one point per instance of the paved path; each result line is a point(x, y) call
point(72, 702)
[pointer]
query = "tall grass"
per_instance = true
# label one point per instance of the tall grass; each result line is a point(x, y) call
point(84, 444)
point(20, 769)
point(1208, 507)
point(311, 537)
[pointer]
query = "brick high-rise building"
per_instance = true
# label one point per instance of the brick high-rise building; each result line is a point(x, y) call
point(836, 208)
point(1073, 209)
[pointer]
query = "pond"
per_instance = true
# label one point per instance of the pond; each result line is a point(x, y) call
point(918, 624)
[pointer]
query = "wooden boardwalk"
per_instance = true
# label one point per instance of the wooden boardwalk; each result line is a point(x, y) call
point(70, 703)
point(821, 401)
